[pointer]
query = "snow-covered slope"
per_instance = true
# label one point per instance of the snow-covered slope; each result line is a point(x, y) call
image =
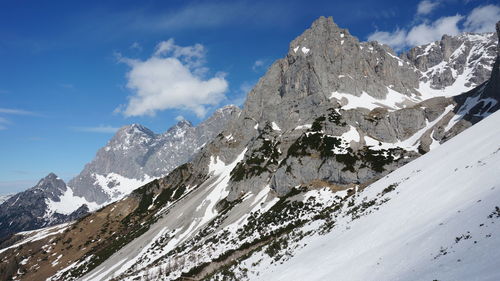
point(442, 222)
point(435, 218)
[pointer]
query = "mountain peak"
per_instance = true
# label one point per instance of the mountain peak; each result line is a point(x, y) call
point(51, 176)
point(49, 179)
point(184, 124)
point(139, 128)
point(322, 33)
point(51, 185)
point(323, 22)
point(134, 129)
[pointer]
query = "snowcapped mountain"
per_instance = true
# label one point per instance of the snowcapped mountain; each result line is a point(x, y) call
point(306, 161)
point(456, 64)
point(44, 204)
point(136, 155)
point(133, 157)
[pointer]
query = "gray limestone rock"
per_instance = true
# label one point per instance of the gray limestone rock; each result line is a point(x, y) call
point(135, 152)
point(442, 62)
point(297, 90)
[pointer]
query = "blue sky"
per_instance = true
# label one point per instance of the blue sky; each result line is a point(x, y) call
point(71, 72)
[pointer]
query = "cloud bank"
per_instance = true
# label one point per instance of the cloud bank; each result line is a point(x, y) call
point(174, 77)
point(480, 19)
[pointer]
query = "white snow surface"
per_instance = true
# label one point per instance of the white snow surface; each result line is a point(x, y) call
point(68, 203)
point(441, 222)
point(39, 234)
point(303, 127)
point(117, 186)
point(275, 126)
point(351, 135)
point(392, 101)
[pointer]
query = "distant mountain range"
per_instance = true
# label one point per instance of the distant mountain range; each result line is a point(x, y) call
point(133, 157)
point(321, 159)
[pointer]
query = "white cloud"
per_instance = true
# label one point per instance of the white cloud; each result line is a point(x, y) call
point(179, 118)
point(396, 39)
point(172, 78)
point(482, 19)
point(99, 129)
point(426, 7)
point(426, 33)
point(192, 56)
point(16, 111)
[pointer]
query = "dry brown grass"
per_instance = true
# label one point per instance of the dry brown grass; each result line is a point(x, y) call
point(76, 241)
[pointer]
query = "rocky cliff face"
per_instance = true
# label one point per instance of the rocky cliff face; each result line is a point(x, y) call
point(328, 119)
point(345, 112)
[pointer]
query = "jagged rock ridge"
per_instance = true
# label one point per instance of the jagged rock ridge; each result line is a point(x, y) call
point(136, 155)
